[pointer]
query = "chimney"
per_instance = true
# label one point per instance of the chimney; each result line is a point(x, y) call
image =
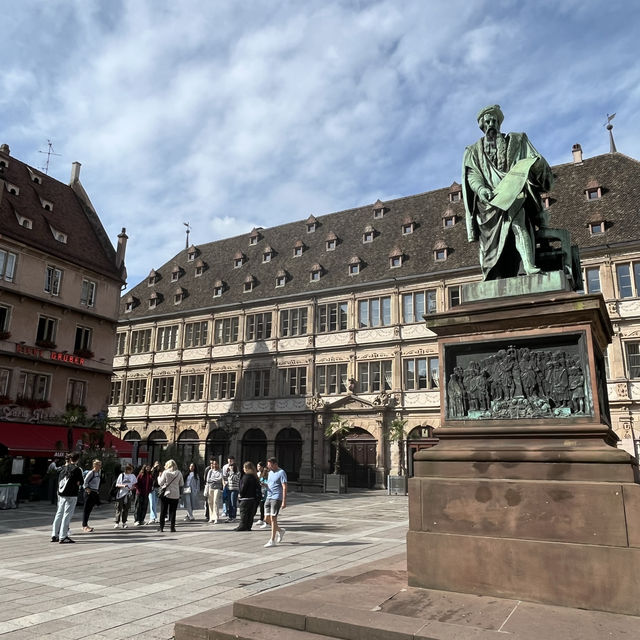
point(576, 150)
point(75, 172)
point(5, 149)
point(122, 243)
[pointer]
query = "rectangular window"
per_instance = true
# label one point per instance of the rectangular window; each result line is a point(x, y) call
point(454, 297)
point(5, 317)
point(52, 280)
point(88, 295)
point(332, 317)
point(7, 265)
point(116, 392)
point(5, 376)
point(46, 335)
point(633, 359)
point(121, 343)
point(226, 331)
point(625, 288)
point(83, 339)
point(374, 376)
point(293, 322)
point(141, 341)
point(293, 381)
point(33, 386)
point(192, 388)
point(162, 389)
point(331, 378)
point(421, 373)
point(136, 391)
point(259, 326)
point(223, 386)
point(593, 280)
point(167, 338)
point(374, 312)
point(257, 383)
point(76, 392)
point(195, 334)
point(415, 305)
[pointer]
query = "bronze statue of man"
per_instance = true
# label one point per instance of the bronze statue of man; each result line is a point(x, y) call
point(502, 177)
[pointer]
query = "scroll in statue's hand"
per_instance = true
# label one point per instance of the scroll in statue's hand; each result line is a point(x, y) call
point(485, 195)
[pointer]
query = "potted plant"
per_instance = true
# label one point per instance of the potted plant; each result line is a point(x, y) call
point(337, 429)
point(397, 484)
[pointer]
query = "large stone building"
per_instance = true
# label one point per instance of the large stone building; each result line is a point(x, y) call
point(252, 344)
point(60, 284)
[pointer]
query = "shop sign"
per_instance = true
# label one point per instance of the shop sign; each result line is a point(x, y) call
point(49, 354)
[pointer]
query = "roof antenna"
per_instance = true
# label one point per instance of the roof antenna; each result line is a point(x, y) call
point(186, 224)
point(50, 152)
point(609, 127)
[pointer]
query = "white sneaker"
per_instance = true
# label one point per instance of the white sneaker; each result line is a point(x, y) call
point(264, 525)
point(280, 534)
point(271, 543)
point(186, 519)
point(125, 525)
point(137, 524)
point(116, 525)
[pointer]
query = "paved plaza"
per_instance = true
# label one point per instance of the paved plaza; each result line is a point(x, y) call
point(136, 583)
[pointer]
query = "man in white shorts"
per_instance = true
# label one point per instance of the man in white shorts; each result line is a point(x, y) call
point(276, 500)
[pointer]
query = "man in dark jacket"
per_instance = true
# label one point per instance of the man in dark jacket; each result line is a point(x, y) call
point(69, 483)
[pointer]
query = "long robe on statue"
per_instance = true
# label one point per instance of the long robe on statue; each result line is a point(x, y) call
point(489, 224)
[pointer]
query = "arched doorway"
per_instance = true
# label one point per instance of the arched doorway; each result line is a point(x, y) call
point(136, 440)
point(420, 437)
point(156, 444)
point(358, 458)
point(189, 448)
point(254, 446)
point(289, 452)
point(217, 446)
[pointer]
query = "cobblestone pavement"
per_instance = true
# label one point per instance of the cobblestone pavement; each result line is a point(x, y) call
point(136, 583)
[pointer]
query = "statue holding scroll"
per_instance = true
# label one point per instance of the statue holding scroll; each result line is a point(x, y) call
point(503, 176)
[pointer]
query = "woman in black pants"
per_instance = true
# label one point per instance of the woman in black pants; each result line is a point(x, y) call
point(249, 491)
point(171, 483)
point(92, 498)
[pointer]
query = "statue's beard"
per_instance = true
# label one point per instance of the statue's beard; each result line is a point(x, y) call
point(491, 134)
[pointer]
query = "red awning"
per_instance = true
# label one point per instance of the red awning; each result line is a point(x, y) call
point(43, 440)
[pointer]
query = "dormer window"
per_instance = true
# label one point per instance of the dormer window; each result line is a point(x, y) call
point(378, 210)
point(36, 179)
point(440, 251)
point(191, 254)
point(5, 164)
point(408, 226)
point(199, 268)
point(248, 284)
point(153, 300)
point(24, 222)
point(368, 234)
point(59, 236)
point(254, 237)
point(179, 295)
point(455, 192)
point(331, 242)
point(11, 188)
point(46, 205)
point(152, 278)
point(267, 255)
point(449, 221)
point(395, 258)
point(354, 266)
point(298, 249)
point(238, 260)
point(218, 288)
point(312, 224)
point(281, 278)
point(596, 228)
point(315, 273)
point(128, 307)
point(175, 274)
point(593, 190)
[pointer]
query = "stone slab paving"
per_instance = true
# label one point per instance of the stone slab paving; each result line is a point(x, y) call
point(135, 583)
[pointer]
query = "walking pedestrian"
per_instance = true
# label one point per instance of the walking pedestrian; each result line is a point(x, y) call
point(263, 474)
point(153, 494)
point(191, 491)
point(124, 484)
point(250, 493)
point(170, 482)
point(144, 486)
point(233, 487)
point(276, 500)
point(213, 491)
point(91, 486)
point(68, 486)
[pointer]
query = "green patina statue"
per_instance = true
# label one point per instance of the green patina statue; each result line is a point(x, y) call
point(502, 177)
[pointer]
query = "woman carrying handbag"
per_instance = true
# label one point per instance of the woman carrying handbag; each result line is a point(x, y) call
point(170, 483)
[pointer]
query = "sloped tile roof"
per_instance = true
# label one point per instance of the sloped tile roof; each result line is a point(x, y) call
point(618, 175)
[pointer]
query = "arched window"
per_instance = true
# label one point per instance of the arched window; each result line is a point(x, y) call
point(217, 446)
point(189, 447)
point(136, 440)
point(254, 446)
point(156, 444)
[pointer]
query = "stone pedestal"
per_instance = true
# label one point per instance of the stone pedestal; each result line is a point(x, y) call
point(526, 497)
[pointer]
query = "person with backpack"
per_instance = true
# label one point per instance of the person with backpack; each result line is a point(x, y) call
point(69, 482)
point(91, 485)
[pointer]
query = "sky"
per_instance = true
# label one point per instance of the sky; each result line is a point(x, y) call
point(235, 115)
